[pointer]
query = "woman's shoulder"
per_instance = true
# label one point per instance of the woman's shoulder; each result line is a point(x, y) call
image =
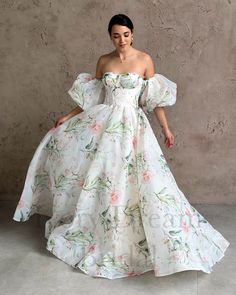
point(106, 56)
point(102, 60)
point(147, 57)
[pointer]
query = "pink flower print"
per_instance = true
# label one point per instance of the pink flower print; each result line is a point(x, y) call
point(81, 182)
point(60, 144)
point(20, 204)
point(188, 212)
point(84, 228)
point(184, 226)
point(104, 175)
point(53, 129)
point(131, 178)
point(67, 171)
point(68, 244)
point(125, 119)
point(113, 197)
point(95, 127)
point(132, 273)
point(157, 270)
point(120, 257)
point(141, 129)
point(176, 256)
point(89, 77)
point(98, 273)
point(134, 141)
point(49, 181)
point(90, 248)
point(146, 175)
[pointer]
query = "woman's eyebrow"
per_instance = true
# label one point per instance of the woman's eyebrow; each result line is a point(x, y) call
point(119, 34)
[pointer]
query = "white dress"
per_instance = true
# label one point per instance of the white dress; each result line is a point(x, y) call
point(115, 208)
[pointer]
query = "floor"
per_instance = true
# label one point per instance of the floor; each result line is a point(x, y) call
point(27, 268)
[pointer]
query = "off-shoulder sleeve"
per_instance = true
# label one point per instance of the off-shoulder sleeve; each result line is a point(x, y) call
point(157, 91)
point(87, 91)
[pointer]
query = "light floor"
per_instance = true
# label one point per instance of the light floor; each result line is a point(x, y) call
point(27, 268)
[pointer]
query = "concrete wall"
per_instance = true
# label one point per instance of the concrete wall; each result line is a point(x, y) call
point(44, 44)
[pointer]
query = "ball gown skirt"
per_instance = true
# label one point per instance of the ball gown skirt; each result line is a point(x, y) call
point(114, 207)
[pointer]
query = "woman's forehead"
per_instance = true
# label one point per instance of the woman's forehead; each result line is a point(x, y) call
point(119, 29)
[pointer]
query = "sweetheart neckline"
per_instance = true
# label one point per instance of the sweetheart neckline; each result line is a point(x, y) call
point(122, 74)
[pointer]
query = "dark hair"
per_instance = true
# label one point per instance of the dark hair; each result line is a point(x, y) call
point(120, 19)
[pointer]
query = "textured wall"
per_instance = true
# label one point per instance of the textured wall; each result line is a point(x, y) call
point(44, 44)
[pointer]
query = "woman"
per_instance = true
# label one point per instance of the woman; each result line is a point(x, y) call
point(126, 59)
point(100, 175)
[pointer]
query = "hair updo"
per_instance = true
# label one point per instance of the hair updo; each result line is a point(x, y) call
point(122, 20)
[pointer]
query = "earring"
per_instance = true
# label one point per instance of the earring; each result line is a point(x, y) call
point(131, 40)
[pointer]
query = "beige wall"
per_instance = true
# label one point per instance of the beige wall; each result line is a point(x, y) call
point(44, 44)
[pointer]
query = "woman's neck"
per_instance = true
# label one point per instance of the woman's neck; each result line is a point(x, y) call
point(123, 55)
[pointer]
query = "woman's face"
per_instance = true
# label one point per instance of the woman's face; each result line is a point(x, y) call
point(121, 37)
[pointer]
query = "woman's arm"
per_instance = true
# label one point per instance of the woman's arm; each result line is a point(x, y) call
point(161, 116)
point(74, 112)
point(66, 117)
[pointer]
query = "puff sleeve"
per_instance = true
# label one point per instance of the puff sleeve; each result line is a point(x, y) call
point(87, 91)
point(157, 91)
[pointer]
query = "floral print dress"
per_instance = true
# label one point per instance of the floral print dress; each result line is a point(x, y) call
point(114, 207)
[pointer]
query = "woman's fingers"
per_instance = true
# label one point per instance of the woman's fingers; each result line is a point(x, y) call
point(56, 123)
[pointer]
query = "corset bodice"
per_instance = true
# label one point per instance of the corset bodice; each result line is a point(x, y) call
point(122, 89)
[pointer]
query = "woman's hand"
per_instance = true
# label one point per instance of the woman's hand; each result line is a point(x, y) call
point(60, 121)
point(169, 137)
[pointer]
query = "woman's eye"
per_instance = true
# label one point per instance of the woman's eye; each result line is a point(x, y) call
point(124, 35)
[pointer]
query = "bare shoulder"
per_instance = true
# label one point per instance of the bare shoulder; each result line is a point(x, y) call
point(148, 58)
point(102, 60)
point(143, 55)
point(149, 65)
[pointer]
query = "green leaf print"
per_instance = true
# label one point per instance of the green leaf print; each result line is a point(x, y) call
point(106, 220)
point(167, 198)
point(79, 236)
point(164, 166)
point(143, 247)
point(174, 232)
point(175, 243)
point(132, 211)
point(141, 119)
point(25, 214)
point(200, 218)
point(74, 124)
point(40, 181)
point(143, 204)
point(140, 161)
point(130, 169)
point(109, 261)
point(96, 183)
point(129, 164)
point(52, 147)
point(51, 242)
point(117, 128)
point(62, 181)
point(90, 149)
